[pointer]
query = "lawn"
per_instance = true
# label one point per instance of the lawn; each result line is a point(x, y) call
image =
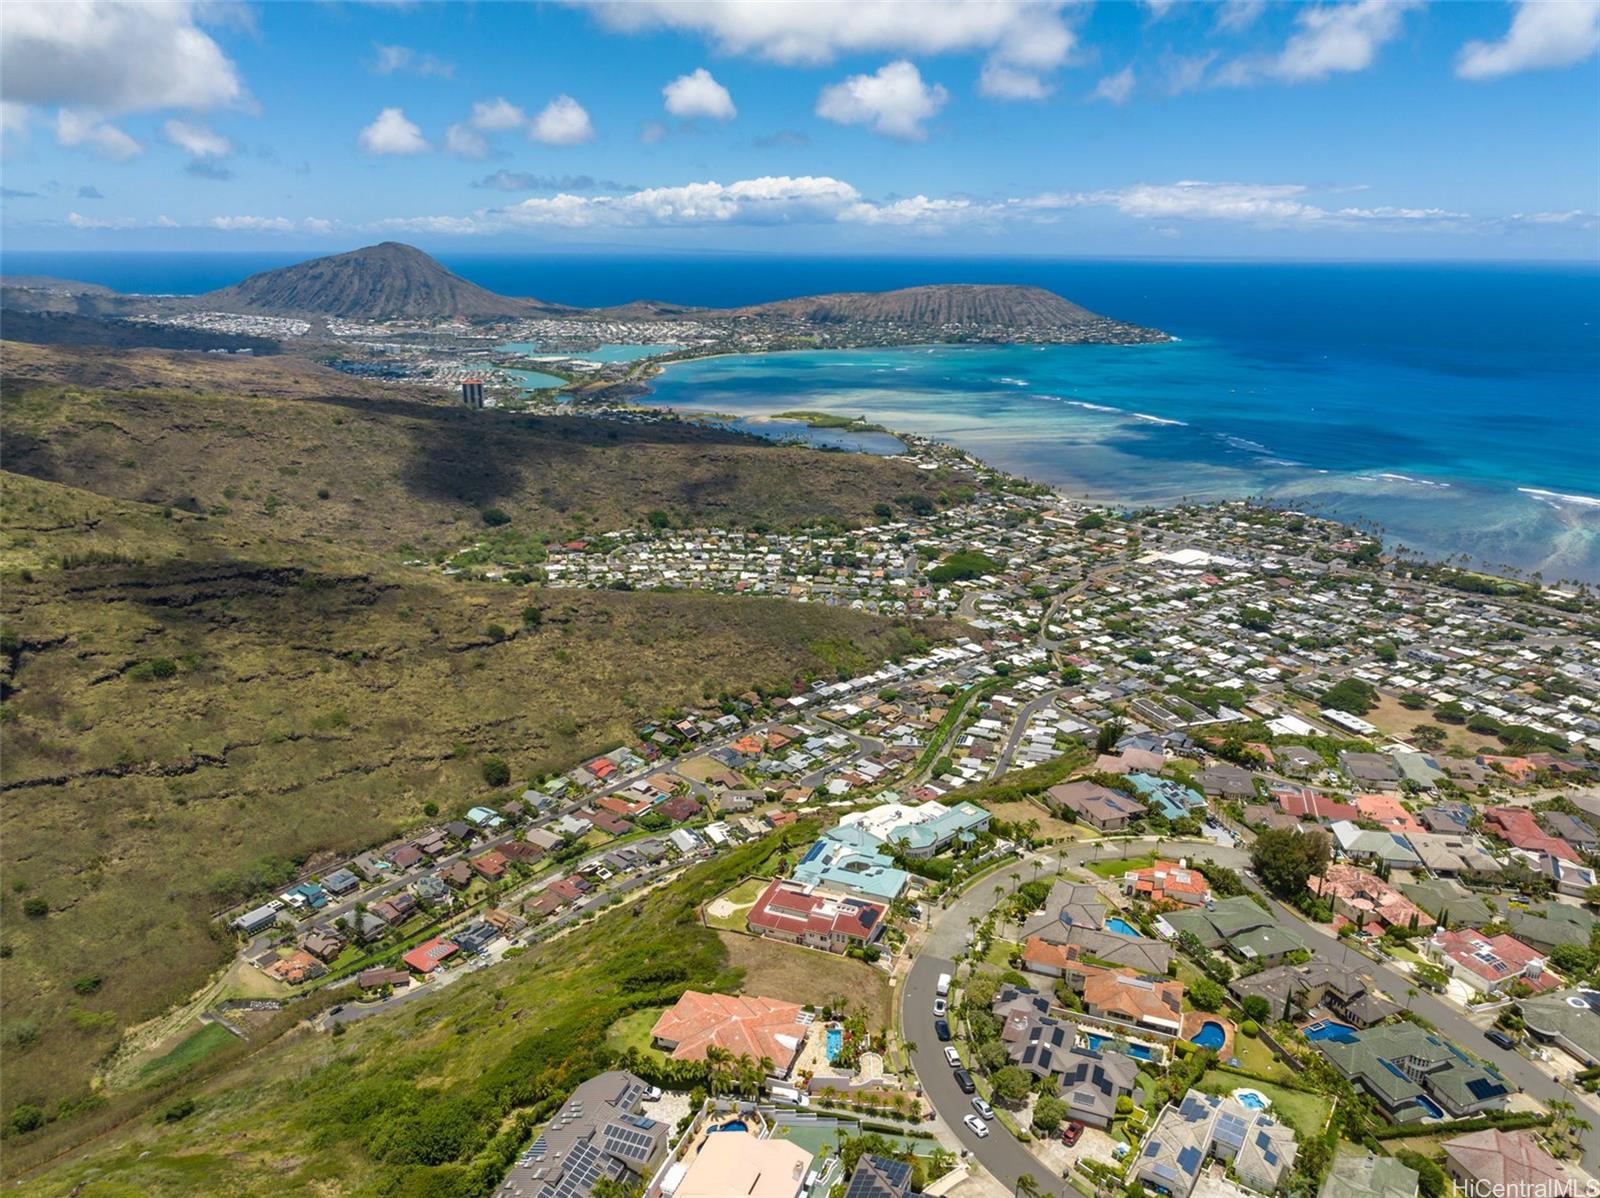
point(1257, 1057)
point(633, 1030)
point(1115, 867)
point(1308, 1112)
point(743, 897)
point(808, 975)
point(188, 1052)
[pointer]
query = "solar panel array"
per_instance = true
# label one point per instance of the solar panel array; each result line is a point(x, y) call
point(628, 1142)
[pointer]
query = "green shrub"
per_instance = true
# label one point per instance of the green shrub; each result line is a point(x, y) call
point(495, 771)
point(1250, 1027)
point(35, 908)
point(494, 517)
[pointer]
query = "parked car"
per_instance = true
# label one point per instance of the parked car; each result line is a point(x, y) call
point(978, 1127)
point(952, 1058)
point(1495, 1036)
point(652, 1094)
point(984, 1110)
point(941, 1028)
point(1071, 1132)
point(939, 1007)
point(964, 1082)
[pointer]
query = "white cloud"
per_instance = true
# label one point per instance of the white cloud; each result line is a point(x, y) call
point(1331, 39)
point(391, 133)
point(1115, 88)
point(1235, 16)
point(1018, 36)
point(497, 115)
point(770, 199)
point(697, 94)
point(396, 59)
point(918, 210)
point(1270, 205)
point(1185, 74)
point(562, 123)
point(87, 130)
point(197, 140)
point(465, 142)
point(110, 56)
point(894, 101)
point(1544, 35)
point(266, 224)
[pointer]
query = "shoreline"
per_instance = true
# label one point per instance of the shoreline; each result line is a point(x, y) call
point(1567, 507)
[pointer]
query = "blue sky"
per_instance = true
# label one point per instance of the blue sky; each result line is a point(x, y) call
point(1351, 129)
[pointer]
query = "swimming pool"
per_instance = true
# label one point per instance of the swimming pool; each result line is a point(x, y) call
point(1211, 1035)
point(1329, 1029)
point(1139, 1052)
point(1429, 1105)
point(1254, 1099)
point(731, 1125)
point(835, 1042)
point(1122, 927)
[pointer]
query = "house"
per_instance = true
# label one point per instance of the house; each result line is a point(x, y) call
point(606, 822)
point(1237, 925)
point(256, 920)
point(1551, 925)
point(685, 841)
point(1389, 812)
point(599, 1132)
point(1314, 805)
point(1420, 769)
point(340, 881)
point(405, 856)
point(851, 860)
point(457, 874)
point(1364, 1174)
point(1290, 989)
point(1448, 854)
point(1438, 1078)
point(1366, 900)
point(376, 979)
point(1297, 760)
point(1446, 817)
point(1260, 1150)
point(395, 909)
point(1490, 963)
point(1171, 799)
point(295, 968)
point(1448, 901)
point(457, 830)
point(474, 937)
point(1070, 905)
point(429, 955)
point(1227, 781)
point(1131, 760)
point(543, 839)
point(1098, 806)
point(1376, 770)
point(504, 921)
point(1518, 828)
point(490, 866)
point(923, 830)
point(323, 945)
point(880, 1177)
point(679, 809)
point(1571, 880)
point(1154, 1004)
point(819, 918)
point(1136, 952)
point(1506, 1162)
point(1089, 1082)
point(1574, 831)
point(1568, 1019)
point(763, 1029)
point(738, 1163)
point(1371, 844)
point(1168, 881)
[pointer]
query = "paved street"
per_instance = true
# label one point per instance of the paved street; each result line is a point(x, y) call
point(1007, 1159)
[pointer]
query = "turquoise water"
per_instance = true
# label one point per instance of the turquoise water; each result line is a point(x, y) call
point(1121, 926)
point(732, 1125)
point(1138, 1052)
point(535, 380)
point(1489, 463)
point(774, 429)
point(1249, 1098)
point(1327, 1029)
point(1211, 1035)
point(835, 1042)
point(605, 354)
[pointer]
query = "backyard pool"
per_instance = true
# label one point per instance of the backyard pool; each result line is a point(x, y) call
point(1328, 1029)
point(1139, 1052)
point(731, 1125)
point(1254, 1099)
point(835, 1042)
point(1429, 1105)
point(1122, 927)
point(1211, 1035)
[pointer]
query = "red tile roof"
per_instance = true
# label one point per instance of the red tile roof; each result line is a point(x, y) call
point(745, 1026)
point(795, 910)
point(425, 958)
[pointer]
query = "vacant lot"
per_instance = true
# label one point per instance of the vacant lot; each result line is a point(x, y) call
point(1050, 827)
point(728, 910)
point(807, 975)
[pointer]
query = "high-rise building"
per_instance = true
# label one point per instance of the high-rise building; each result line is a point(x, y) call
point(472, 392)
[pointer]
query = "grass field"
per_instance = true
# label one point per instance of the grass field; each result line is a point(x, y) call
point(633, 1030)
point(1115, 867)
point(208, 690)
point(1258, 1058)
point(1308, 1112)
point(808, 975)
point(191, 1051)
point(743, 897)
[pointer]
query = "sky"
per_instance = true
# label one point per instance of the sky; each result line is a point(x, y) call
point(1377, 129)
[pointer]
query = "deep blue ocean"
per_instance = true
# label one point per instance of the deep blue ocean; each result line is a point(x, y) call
point(1457, 406)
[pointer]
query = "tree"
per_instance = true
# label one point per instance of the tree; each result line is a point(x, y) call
point(494, 517)
point(1284, 858)
point(1048, 1112)
point(1572, 960)
point(1351, 695)
point(1592, 895)
point(35, 908)
point(1028, 1184)
point(495, 771)
point(532, 616)
point(1010, 1084)
point(1206, 995)
point(1257, 1008)
point(1110, 733)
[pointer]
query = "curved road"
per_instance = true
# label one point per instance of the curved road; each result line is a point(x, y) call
point(1006, 1158)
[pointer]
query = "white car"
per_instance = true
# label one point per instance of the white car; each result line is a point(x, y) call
point(939, 1008)
point(978, 1126)
point(985, 1111)
point(952, 1058)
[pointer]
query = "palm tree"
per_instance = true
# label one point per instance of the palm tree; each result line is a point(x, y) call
point(1027, 1187)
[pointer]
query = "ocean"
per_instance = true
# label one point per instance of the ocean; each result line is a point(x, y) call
point(1457, 406)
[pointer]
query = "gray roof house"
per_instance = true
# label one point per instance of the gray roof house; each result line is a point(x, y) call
point(1238, 925)
point(1260, 1149)
point(1317, 983)
point(1359, 1174)
point(1070, 905)
point(1413, 1073)
point(1569, 1019)
point(598, 1133)
point(1370, 769)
